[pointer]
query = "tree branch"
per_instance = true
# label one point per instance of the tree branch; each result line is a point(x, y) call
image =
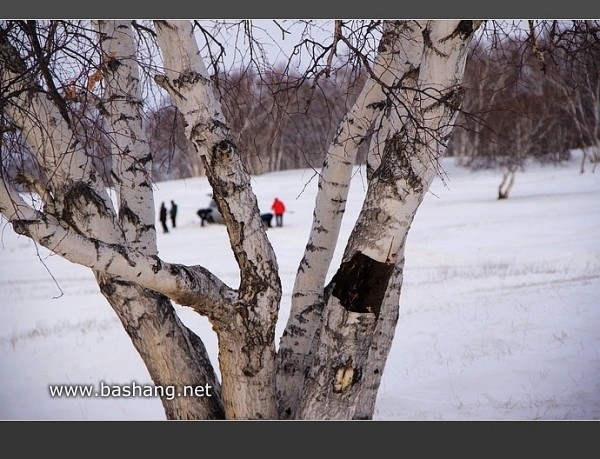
point(308, 294)
point(189, 286)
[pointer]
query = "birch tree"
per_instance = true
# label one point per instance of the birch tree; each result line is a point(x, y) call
point(332, 354)
point(571, 55)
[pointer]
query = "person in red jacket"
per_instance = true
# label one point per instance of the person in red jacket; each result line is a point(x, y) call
point(278, 209)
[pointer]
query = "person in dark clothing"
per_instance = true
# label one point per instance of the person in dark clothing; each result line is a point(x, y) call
point(173, 213)
point(163, 217)
point(205, 216)
point(210, 214)
point(266, 219)
point(278, 209)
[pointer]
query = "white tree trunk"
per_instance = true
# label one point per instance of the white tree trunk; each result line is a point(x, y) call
point(361, 307)
point(78, 222)
point(122, 101)
point(246, 338)
point(307, 298)
point(148, 317)
point(338, 337)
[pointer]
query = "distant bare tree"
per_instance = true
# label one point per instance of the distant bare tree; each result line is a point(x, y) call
point(571, 56)
point(515, 110)
point(282, 119)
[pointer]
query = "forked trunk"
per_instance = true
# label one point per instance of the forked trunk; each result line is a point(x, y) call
point(350, 347)
point(246, 335)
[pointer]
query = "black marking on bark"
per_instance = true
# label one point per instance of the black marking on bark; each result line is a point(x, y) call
point(124, 117)
point(123, 251)
point(286, 354)
point(197, 131)
point(389, 37)
point(464, 28)
point(315, 308)
point(165, 24)
point(216, 124)
point(145, 159)
point(46, 240)
point(107, 288)
point(427, 38)
point(411, 74)
point(157, 266)
point(129, 215)
point(116, 178)
point(112, 63)
point(452, 99)
point(428, 42)
point(379, 105)
point(22, 226)
point(224, 147)
point(182, 272)
point(80, 192)
point(189, 77)
point(360, 284)
point(297, 331)
point(101, 106)
point(314, 248)
point(391, 171)
point(116, 248)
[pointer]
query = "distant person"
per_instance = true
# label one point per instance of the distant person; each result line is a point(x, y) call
point(163, 217)
point(267, 218)
point(205, 216)
point(278, 209)
point(173, 213)
point(210, 214)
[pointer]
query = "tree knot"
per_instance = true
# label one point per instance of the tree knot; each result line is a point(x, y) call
point(345, 376)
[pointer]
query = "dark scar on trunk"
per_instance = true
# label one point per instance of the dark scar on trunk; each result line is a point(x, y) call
point(360, 284)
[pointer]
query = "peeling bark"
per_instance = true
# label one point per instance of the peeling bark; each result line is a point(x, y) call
point(415, 141)
point(246, 338)
point(307, 296)
point(337, 339)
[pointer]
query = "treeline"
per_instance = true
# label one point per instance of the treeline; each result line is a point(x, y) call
point(535, 96)
point(281, 121)
point(529, 94)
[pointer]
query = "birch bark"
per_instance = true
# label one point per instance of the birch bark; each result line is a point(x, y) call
point(246, 338)
point(362, 300)
point(391, 64)
point(173, 354)
point(79, 208)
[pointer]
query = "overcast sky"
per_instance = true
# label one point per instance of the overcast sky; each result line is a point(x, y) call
point(278, 38)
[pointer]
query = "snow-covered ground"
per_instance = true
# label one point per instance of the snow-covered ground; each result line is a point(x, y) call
point(500, 308)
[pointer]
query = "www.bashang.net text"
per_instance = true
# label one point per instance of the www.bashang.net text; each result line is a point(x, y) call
point(132, 389)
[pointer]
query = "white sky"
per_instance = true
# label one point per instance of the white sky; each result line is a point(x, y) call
point(278, 46)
